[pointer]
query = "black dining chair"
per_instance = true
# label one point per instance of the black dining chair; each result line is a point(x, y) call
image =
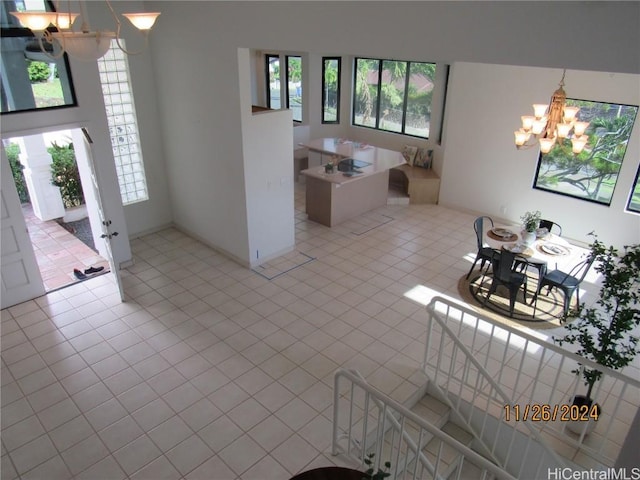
point(553, 227)
point(506, 272)
point(567, 282)
point(485, 254)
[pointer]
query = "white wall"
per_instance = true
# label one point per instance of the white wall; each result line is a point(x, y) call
point(90, 113)
point(484, 172)
point(267, 144)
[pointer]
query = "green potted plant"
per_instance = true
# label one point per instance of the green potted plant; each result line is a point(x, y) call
point(530, 222)
point(371, 473)
point(603, 333)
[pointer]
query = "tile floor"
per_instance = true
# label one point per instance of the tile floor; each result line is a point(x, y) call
point(211, 370)
point(58, 251)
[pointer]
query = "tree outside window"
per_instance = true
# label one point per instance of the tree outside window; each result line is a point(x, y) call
point(394, 96)
point(294, 86)
point(273, 81)
point(331, 89)
point(592, 174)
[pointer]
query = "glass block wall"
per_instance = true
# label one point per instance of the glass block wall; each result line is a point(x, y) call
point(123, 127)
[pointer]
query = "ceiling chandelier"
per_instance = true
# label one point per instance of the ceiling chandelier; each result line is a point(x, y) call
point(84, 44)
point(552, 123)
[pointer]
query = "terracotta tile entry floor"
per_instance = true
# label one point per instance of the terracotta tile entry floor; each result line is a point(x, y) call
point(58, 251)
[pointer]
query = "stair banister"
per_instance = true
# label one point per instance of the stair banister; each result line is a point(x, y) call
point(355, 378)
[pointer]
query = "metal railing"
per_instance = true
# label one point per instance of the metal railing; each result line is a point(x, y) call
point(514, 391)
point(366, 421)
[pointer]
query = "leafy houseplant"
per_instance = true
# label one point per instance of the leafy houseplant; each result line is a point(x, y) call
point(371, 474)
point(531, 220)
point(603, 332)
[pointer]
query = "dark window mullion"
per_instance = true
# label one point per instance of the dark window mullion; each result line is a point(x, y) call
point(268, 78)
point(286, 80)
point(405, 101)
point(379, 96)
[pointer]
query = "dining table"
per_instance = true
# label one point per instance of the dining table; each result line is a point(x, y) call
point(547, 251)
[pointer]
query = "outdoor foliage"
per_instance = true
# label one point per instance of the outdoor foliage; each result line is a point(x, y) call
point(65, 174)
point(603, 332)
point(592, 174)
point(331, 89)
point(401, 102)
point(38, 71)
point(13, 152)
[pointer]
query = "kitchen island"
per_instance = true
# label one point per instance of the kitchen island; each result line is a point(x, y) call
point(332, 198)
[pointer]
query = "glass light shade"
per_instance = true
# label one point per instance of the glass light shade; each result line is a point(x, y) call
point(539, 109)
point(527, 122)
point(521, 137)
point(580, 127)
point(142, 21)
point(35, 21)
point(570, 113)
point(538, 126)
point(546, 144)
point(563, 129)
point(85, 46)
point(65, 20)
point(578, 143)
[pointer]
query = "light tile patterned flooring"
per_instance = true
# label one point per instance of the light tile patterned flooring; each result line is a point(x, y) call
point(210, 370)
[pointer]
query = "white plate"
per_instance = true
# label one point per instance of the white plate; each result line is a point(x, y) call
point(502, 232)
point(552, 249)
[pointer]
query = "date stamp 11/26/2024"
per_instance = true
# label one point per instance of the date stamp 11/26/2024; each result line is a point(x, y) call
point(541, 412)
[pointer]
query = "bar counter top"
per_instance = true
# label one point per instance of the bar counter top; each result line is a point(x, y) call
point(380, 159)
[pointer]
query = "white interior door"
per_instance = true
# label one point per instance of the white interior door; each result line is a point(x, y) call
point(107, 233)
point(21, 279)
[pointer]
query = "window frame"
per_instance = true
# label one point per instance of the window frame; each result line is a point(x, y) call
point(635, 186)
point(338, 89)
point(379, 96)
point(22, 32)
point(286, 83)
point(268, 57)
point(541, 156)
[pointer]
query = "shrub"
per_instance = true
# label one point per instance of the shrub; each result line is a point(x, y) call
point(65, 174)
point(13, 152)
point(38, 71)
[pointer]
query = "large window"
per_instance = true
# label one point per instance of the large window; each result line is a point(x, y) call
point(123, 126)
point(294, 86)
point(394, 96)
point(331, 89)
point(273, 81)
point(30, 80)
point(292, 81)
point(592, 174)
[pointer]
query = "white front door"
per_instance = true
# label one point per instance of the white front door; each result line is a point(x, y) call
point(85, 157)
point(21, 279)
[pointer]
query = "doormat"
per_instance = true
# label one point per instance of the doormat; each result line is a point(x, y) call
point(368, 222)
point(281, 265)
point(548, 311)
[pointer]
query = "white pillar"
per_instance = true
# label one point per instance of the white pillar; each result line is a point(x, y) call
point(45, 197)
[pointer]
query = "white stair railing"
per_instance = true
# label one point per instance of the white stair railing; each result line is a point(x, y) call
point(495, 376)
point(367, 421)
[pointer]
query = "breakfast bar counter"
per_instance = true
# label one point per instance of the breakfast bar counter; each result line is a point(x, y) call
point(332, 198)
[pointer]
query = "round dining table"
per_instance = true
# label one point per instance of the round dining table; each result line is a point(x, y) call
point(548, 250)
